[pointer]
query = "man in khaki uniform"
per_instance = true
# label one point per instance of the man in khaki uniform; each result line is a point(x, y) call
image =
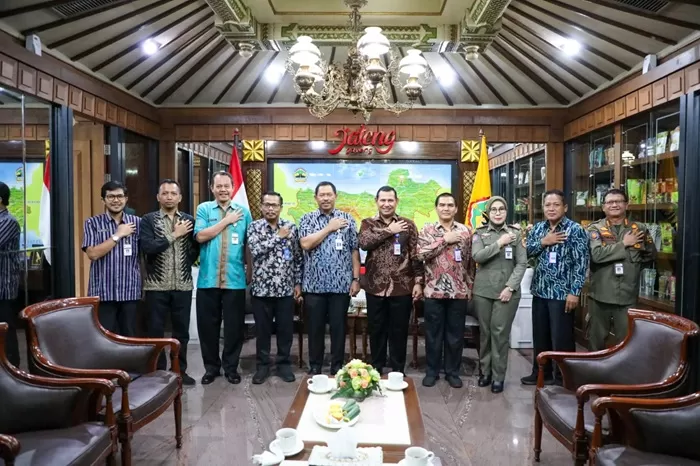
point(499, 251)
point(619, 248)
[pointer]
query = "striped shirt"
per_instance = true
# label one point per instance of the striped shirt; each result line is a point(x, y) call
point(115, 276)
point(9, 256)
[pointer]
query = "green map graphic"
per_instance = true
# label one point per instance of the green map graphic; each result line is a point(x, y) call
point(417, 185)
point(12, 173)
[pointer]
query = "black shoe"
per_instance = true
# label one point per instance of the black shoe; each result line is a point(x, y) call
point(313, 370)
point(209, 377)
point(286, 374)
point(233, 378)
point(430, 380)
point(532, 380)
point(454, 381)
point(496, 387)
point(259, 377)
point(484, 381)
point(187, 380)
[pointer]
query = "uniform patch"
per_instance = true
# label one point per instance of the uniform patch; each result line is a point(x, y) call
point(595, 235)
point(475, 238)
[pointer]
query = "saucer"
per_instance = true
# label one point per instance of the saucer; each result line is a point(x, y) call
point(403, 386)
point(331, 386)
point(403, 462)
point(297, 448)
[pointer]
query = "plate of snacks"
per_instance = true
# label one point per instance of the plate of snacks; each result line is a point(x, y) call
point(337, 414)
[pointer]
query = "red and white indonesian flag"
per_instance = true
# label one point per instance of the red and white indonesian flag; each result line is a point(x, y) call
point(239, 195)
point(45, 209)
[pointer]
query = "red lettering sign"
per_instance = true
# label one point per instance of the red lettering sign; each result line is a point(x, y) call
point(363, 141)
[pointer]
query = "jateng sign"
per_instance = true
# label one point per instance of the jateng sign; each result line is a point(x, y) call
point(362, 141)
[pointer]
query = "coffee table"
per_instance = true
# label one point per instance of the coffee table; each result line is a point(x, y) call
point(393, 421)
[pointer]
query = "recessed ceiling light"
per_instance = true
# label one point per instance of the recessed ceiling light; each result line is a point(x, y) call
point(150, 46)
point(274, 73)
point(570, 46)
point(446, 77)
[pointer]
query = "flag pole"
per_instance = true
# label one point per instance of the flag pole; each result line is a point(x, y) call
point(236, 141)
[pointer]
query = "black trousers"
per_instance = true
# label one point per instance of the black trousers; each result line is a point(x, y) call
point(444, 332)
point(212, 304)
point(177, 304)
point(322, 308)
point(387, 322)
point(273, 314)
point(8, 314)
point(119, 317)
point(552, 330)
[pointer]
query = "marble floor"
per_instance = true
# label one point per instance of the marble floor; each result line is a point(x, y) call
point(226, 424)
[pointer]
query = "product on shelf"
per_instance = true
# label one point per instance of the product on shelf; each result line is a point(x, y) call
point(646, 284)
point(675, 139)
point(599, 193)
point(672, 288)
point(655, 233)
point(666, 237)
point(581, 197)
point(636, 191)
point(663, 284)
point(661, 140)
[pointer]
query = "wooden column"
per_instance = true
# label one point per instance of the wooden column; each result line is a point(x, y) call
point(167, 156)
point(554, 161)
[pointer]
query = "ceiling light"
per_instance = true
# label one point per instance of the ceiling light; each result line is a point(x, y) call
point(471, 52)
point(446, 77)
point(318, 145)
point(274, 73)
point(570, 46)
point(150, 46)
point(245, 49)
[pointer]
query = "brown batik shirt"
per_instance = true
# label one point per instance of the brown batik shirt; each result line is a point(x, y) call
point(390, 270)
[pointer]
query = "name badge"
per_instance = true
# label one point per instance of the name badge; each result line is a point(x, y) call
point(286, 254)
point(509, 252)
point(458, 255)
point(619, 269)
point(127, 249)
point(235, 239)
point(552, 257)
point(397, 245)
point(339, 244)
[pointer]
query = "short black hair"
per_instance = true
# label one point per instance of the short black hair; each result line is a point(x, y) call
point(170, 181)
point(615, 191)
point(113, 186)
point(221, 173)
point(272, 193)
point(325, 183)
point(555, 192)
point(437, 199)
point(386, 189)
point(4, 194)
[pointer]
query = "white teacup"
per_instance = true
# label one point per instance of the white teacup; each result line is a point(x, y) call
point(320, 382)
point(417, 456)
point(395, 379)
point(286, 438)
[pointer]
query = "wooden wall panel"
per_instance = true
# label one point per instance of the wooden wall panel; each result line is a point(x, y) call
point(675, 84)
point(183, 133)
point(471, 133)
point(600, 118)
point(131, 122)
point(421, 133)
point(454, 132)
point(332, 132)
point(524, 133)
point(659, 92)
point(300, 132)
point(100, 109)
point(250, 132)
point(438, 133)
point(111, 113)
point(26, 79)
point(229, 132)
point(61, 91)
point(42, 132)
point(619, 109)
point(540, 134)
point(121, 117)
point(317, 132)
point(200, 133)
point(632, 104)
point(491, 133)
point(44, 86)
point(404, 133)
point(75, 98)
point(283, 132)
point(644, 98)
point(8, 71)
point(590, 122)
point(692, 77)
point(506, 134)
point(217, 133)
point(267, 132)
point(3, 133)
point(609, 113)
point(14, 132)
point(89, 104)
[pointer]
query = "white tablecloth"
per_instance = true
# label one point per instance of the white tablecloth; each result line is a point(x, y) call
point(383, 420)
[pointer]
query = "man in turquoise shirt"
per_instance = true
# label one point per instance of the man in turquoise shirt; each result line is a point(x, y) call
point(220, 227)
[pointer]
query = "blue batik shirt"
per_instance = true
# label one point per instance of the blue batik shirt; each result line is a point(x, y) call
point(327, 269)
point(567, 273)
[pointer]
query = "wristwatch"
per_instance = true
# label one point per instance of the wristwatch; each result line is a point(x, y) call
point(356, 279)
point(510, 289)
point(115, 238)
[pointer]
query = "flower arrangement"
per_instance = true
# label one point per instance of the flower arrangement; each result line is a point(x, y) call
point(357, 380)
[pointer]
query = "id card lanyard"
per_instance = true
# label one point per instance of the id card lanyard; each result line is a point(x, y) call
point(397, 245)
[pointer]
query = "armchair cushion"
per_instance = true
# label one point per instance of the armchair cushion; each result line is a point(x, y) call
point(671, 431)
point(638, 362)
point(559, 407)
point(79, 445)
point(617, 455)
point(71, 339)
point(148, 393)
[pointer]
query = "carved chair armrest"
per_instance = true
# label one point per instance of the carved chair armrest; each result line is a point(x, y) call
point(584, 392)
point(9, 448)
point(158, 343)
point(561, 357)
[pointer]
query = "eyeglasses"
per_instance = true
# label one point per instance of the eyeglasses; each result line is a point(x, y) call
point(497, 210)
point(267, 205)
point(115, 197)
point(615, 202)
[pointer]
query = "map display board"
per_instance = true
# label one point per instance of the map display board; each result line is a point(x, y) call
point(417, 185)
point(13, 174)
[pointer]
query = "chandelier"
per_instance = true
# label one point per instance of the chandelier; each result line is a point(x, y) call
point(362, 83)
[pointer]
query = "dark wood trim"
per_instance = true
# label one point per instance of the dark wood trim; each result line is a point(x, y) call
point(550, 57)
point(486, 82)
point(576, 57)
point(464, 84)
point(143, 58)
point(78, 17)
point(563, 34)
point(157, 33)
point(204, 61)
point(216, 73)
point(258, 78)
point(31, 8)
point(652, 16)
point(530, 74)
point(612, 22)
point(235, 78)
point(583, 28)
point(105, 24)
point(508, 78)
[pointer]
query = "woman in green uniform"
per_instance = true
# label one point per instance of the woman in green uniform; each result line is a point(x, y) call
point(499, 251)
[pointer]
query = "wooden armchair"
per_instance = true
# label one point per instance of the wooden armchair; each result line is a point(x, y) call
point(651, 362)
point(662, 432)
point(66, 340)
point(53, 422)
